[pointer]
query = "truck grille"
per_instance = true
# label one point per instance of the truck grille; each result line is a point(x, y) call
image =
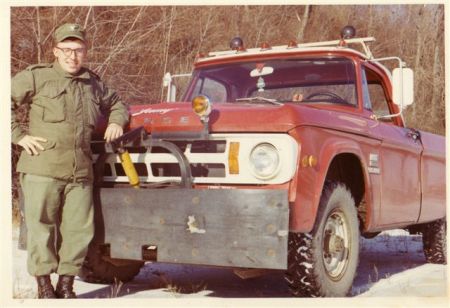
point(208, 160)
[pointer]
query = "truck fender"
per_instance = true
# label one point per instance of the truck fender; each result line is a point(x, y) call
point(310, 181)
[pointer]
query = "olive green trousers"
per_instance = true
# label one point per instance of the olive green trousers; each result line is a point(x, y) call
point(59, 218)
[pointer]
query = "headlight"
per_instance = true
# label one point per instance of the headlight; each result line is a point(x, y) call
point(264, 161)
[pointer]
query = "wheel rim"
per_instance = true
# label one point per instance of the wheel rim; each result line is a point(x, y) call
point(336, 244)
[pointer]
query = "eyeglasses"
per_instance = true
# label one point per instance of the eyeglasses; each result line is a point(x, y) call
point(68, 51)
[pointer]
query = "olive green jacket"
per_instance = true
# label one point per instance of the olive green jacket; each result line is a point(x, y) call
point(64, 109)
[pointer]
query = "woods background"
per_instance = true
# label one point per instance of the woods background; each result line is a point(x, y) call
point(132, 47)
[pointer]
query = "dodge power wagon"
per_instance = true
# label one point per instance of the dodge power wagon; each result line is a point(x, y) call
point(276, 157)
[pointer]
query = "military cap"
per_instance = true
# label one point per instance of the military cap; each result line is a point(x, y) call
point(69, 30)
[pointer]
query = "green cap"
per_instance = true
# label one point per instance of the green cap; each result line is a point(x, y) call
point(69, 30)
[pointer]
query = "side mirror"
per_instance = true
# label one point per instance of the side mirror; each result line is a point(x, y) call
point(171, 88)
point(173, 93)
point(168, 82)
point(403, 86)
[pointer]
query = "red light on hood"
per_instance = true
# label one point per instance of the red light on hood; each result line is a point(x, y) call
point(265, 46)
point(292, 44)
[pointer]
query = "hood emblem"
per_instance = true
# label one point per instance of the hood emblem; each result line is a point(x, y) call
point(374, 166)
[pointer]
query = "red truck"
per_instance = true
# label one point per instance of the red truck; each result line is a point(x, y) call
point(277, 157)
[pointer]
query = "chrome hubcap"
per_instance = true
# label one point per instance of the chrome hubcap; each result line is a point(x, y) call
point(336, 244)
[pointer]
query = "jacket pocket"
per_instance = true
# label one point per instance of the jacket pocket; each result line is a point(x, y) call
point(93, 109)
point(52, 99)
point(50, 144)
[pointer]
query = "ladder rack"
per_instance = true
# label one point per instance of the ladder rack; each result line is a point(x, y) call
point(336, 43)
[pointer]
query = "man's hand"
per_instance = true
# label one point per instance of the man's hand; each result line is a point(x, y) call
point(113, 131)
point(31, 144)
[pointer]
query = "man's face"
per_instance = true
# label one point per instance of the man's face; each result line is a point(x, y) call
point(70, 55)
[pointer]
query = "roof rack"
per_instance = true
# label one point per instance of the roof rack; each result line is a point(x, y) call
point(335, 43)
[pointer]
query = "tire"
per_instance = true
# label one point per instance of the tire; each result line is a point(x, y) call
point(101, 269)
point(434, 241)
point(323, 263)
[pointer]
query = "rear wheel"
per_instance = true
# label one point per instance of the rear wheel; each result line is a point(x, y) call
point(98, 268)
point(323, 262)
point(434, 241)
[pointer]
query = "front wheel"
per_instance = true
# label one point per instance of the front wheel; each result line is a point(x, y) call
point(324, 262)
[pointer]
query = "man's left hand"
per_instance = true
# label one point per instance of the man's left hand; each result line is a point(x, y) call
point(113, 131)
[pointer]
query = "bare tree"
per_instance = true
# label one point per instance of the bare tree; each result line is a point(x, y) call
point(132, 47)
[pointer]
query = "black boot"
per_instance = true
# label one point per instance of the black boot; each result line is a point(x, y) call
point(64, 287)
point(45, 288)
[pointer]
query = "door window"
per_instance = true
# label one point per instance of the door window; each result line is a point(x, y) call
point(374, 94)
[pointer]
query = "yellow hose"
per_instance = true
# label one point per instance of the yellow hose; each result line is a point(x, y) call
point(129, 168)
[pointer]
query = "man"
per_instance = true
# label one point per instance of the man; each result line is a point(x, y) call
point(56, 173)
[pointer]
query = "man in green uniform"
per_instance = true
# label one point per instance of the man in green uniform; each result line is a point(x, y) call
point(55, 167)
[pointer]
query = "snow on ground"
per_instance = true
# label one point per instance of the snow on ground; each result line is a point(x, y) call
point(391, 265)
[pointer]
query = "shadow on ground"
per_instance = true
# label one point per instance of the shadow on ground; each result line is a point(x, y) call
point(380, 257)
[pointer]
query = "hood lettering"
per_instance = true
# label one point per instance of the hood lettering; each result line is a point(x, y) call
point(150, 110)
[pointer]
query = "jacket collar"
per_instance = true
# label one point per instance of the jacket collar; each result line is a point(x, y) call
point(82, 74)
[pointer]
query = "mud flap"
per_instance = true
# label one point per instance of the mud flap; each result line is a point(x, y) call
point(222, 227)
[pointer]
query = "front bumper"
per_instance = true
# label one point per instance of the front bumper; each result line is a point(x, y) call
point(221, 227)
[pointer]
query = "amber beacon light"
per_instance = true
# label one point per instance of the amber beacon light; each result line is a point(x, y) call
point(201, 106)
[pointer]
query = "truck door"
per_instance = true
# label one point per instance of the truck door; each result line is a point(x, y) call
point(399, 155)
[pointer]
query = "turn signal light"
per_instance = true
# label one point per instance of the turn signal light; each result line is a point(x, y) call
point(233, 158)
point(309, 161)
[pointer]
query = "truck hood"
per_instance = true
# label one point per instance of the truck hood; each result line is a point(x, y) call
point(242, 117)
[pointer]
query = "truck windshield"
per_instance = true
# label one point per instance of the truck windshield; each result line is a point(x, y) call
point(302, 80)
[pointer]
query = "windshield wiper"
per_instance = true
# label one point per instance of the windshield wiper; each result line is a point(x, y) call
point(259, 98)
